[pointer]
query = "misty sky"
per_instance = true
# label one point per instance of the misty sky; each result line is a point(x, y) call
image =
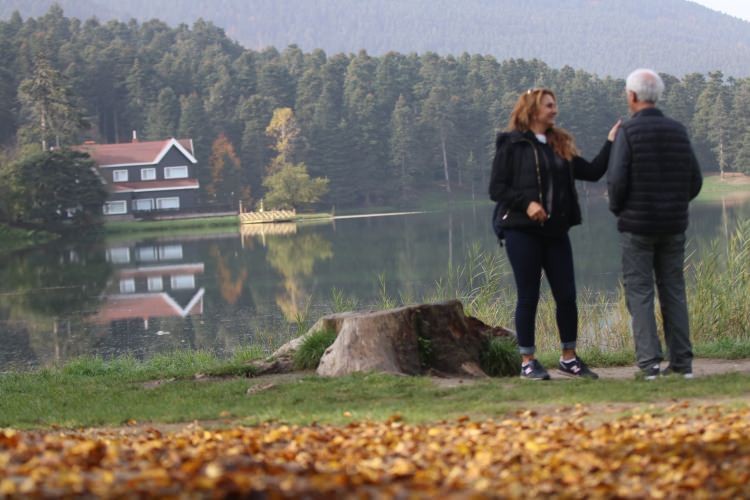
point(736, 8)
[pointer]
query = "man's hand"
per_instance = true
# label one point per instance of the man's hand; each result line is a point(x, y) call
point(536, 212)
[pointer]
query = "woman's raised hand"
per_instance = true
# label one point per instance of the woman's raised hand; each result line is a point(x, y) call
point(613, 131)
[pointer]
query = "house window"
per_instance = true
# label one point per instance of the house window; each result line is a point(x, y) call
point(145, 204)
point(127, 285)
point(119, 255)
point(167, 203)
point(155, 284)
point(148, 174)
point(175, 172)
point(115, 207)
point(147, 254)
point(182, 281)
point(120, 176)
point(170, 252)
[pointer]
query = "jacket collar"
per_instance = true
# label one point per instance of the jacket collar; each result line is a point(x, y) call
point(648, 112)
point(517, 136)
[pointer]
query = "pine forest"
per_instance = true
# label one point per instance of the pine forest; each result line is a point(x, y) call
point(381, 130)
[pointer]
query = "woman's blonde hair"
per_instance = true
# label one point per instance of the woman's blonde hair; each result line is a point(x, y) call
point(560, 140)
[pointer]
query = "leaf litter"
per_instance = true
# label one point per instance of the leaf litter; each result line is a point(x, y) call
point(682, 451)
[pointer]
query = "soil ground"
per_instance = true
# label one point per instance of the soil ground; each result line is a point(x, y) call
point(701, 368)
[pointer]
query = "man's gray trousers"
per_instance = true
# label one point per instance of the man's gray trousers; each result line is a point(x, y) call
point(646, 257)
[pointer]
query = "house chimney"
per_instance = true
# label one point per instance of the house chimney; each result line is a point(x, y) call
point(135, 136)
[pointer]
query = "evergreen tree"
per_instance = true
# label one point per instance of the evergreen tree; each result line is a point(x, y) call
point(439, 115)
point(139, 85)
point(718, 133)
point(51, 104)
point(402, 148)
point(275, 82)
point(163, 118)
point(194, 124)
point(742, 156)
point(705, 116)
point(255, 148)
point(7, 107)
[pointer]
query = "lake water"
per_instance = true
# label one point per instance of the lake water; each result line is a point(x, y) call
point(225, 290)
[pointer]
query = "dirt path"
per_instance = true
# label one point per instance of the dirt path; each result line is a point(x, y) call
point(701, 368)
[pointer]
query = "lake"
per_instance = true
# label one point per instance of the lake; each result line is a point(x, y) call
point(221, 291)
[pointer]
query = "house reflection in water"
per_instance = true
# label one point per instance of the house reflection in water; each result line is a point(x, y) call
point(151, 281)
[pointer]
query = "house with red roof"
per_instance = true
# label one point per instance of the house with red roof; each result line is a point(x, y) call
point(147, 176)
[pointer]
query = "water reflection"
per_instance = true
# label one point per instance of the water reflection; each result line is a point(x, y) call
point(294, 259)
point(38, 293)
point(243, 287)
point(150, 281)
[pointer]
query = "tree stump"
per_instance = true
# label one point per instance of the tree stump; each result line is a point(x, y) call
point(437, 338)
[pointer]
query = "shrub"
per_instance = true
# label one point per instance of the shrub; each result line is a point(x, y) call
point(309, 353)
point(501, 358)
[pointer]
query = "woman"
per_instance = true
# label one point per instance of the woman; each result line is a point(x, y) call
point(533, 176)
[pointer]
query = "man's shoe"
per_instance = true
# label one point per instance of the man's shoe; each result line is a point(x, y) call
point(649, 373)
point(533, 370)
point(576, 368)
point(683, 372)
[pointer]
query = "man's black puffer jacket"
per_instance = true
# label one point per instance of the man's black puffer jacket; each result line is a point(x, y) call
point(653, 175)
point(515, 183)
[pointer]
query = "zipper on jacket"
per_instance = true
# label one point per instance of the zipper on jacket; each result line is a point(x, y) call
point(538, 173)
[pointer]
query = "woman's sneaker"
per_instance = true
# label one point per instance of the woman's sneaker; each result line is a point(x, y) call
point(533, 370)
point(576, 368)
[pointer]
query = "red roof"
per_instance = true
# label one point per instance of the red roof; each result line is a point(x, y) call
point(134, 153)
point(127, 187)
point(151, 305)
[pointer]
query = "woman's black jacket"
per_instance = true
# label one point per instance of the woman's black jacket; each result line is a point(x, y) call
point(517, 177)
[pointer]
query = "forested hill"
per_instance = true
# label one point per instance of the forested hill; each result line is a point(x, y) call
point(608, 37)
point(381, 129)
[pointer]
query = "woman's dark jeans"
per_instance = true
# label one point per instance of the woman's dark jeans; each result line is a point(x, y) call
point(529, 255)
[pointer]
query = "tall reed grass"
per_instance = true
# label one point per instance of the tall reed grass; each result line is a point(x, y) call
point(719, 289)
point(718, 292)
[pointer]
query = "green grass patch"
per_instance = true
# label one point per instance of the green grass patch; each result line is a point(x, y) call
point(71, 398)
point(13, 239)
point(715, 188)
point(309, 353)
point(501, 358)
point(180, 364)
point(135, 226)
point(724, 349)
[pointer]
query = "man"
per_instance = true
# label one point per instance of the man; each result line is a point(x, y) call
point(652, 176)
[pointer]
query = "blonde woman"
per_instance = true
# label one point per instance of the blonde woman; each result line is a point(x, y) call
point(533, 180)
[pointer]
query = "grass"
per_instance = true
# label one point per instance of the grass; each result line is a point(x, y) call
point(177, 364)
point(13, 239)
point(95, 393)
point(715, 188)
point(309, 353)
point(133, 226)
point(501, 358)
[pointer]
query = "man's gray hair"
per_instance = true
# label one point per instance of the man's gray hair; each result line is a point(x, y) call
point(646, 84)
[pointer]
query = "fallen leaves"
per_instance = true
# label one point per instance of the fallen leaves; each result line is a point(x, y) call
point(688, 452)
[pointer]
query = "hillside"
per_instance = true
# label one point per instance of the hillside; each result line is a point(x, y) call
point(605, 37)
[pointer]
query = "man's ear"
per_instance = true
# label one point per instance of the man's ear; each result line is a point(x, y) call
point(633, 96)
